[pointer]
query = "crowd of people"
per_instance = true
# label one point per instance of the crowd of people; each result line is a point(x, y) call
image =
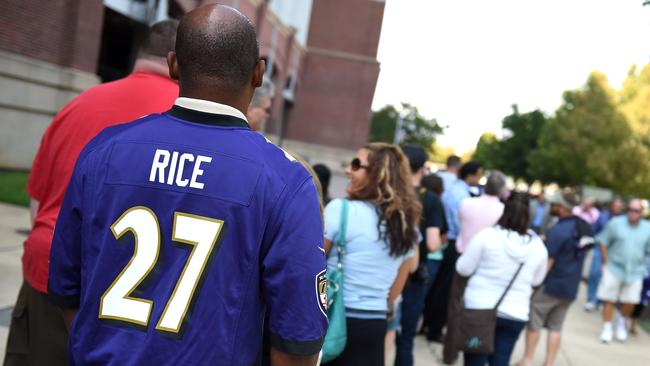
point(112, 282)
point(484, 233)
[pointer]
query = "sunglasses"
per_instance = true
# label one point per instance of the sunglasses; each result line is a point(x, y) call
point(634, 210)
point(355, 165)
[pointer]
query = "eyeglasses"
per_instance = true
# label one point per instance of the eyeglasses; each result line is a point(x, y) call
point(635, 210)
point(355, 165)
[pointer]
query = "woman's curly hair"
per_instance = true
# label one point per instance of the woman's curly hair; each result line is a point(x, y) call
point(389, 188)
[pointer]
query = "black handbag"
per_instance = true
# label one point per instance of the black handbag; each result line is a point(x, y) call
point(476, 326)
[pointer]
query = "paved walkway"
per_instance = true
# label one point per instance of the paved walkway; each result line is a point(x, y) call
point(580, 345)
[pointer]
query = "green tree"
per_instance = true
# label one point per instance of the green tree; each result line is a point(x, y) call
point(416, 129)
point(511, 153)
point(487, 151)
point(589, 141)
point(634, 102)
point(382, 125)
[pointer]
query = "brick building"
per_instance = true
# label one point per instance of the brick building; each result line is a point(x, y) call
point(321, 54)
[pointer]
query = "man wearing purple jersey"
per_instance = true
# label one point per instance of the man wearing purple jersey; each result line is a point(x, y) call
point(180, 231)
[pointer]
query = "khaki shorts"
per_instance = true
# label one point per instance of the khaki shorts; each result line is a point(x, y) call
point(611, 289)
point(547, 311)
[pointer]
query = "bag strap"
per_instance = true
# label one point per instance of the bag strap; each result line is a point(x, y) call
point(521, 265)
point(343, 227)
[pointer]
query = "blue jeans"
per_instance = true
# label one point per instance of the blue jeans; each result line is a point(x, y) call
point(595, 272)
point(505, 337)
point(413, 298)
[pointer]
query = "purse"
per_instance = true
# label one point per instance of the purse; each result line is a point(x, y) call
point(476, 327)
point(337, 332)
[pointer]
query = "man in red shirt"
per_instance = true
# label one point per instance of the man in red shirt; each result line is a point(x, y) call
point(38, 335)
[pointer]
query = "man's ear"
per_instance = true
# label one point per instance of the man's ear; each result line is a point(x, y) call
point(172, 63)
point(258, 73)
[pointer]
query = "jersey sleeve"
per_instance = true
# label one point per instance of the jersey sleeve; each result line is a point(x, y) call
point(293, 276)
point(64, 280)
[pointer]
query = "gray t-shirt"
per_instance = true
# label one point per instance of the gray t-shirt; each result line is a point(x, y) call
point(368, 269)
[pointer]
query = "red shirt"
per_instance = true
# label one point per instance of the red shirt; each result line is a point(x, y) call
point(120, 101)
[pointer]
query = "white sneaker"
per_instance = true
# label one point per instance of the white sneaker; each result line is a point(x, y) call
point(621, 329)
point(590, 306)
point(607, 334)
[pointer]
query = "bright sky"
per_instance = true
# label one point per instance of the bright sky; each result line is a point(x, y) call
point(466, 62)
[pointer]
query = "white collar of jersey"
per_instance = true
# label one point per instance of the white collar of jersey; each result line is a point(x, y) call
point(207, 106)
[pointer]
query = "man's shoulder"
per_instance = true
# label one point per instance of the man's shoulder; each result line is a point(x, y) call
point(561, 230)
point(277, 160)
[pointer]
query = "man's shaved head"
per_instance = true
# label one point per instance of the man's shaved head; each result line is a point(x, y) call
point(216, 46)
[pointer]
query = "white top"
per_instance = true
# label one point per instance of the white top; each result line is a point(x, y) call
point(492, 258)
point(368, 268)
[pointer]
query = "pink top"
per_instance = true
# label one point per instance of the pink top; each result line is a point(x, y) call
point(475, 215)
point(590, 216)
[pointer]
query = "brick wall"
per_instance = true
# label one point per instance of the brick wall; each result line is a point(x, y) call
point(339, 74)
point(346, 25)
point(63, 32)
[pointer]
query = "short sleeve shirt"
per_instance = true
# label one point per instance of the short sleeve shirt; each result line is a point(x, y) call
point(627, 247)
point(433, 215)
point(368, 268)
point(178, 233)
point(120, 101)
point(564, 277)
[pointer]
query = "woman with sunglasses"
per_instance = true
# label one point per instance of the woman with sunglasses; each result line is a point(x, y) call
point(381, 233)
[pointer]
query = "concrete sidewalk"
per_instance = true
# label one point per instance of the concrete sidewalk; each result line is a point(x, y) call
point(580, 345)
point(14, 225)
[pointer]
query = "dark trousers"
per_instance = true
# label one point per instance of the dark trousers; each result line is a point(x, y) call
point(365, 346)
point(413, 298)
point(438, 296)
point(505, 336)
point(37, 335)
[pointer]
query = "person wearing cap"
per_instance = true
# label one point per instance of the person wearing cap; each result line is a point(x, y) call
point(432, 223)
point(624, 244)
point(565, 242)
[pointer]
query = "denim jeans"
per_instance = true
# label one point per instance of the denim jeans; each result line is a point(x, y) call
point(595, 273)
point(506, 335)
point(413, 298)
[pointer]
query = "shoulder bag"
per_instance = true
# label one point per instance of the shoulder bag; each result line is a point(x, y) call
point(476, 327)
point(337, 332)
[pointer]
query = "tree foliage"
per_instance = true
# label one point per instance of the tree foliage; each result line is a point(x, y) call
point(589, 141)
point(598, 136)
point(511, 154)
point(416, 129)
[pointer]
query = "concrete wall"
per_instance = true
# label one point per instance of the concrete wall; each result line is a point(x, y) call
point(33, 91)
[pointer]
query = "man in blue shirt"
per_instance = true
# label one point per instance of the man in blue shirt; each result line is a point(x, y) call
point(551, 303)
point(181, 230)
point(624, 244)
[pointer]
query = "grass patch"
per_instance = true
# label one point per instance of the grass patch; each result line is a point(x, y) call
point(12, 188)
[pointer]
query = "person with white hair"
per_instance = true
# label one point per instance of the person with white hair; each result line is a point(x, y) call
point(260, 108)
point(478, 213)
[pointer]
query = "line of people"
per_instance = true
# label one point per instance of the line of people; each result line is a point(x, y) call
point(482, 234)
